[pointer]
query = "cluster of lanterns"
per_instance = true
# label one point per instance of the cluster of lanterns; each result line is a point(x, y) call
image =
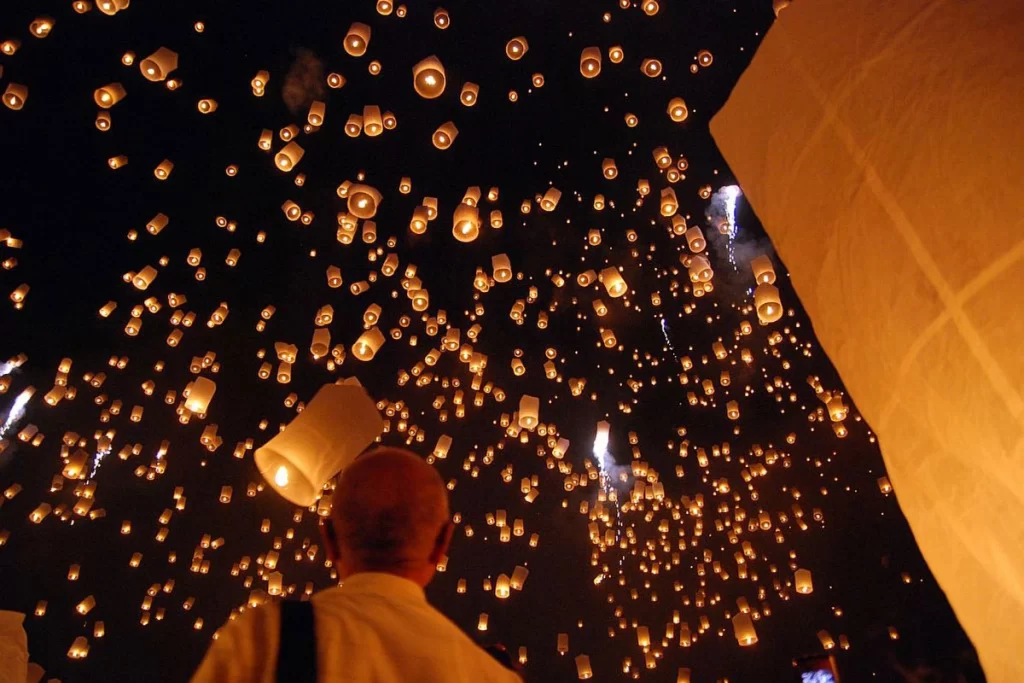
point(646, 536)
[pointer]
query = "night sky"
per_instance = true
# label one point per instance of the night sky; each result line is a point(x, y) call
point(74, 213)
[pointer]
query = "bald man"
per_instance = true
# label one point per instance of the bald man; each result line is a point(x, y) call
point(389, 527)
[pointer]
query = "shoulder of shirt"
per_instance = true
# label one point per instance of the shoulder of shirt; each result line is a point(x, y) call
point(253, 620)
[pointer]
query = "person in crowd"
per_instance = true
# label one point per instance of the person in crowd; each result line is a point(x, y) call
point(389, 526)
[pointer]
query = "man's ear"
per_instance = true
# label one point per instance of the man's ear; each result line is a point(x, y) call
point(330, 536)
point(441, 543)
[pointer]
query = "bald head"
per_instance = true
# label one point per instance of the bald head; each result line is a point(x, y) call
point(390, 513)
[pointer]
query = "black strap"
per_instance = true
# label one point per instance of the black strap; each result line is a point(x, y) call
point(296, 654)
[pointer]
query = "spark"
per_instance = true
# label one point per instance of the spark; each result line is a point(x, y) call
point(97, 459)
point(664, 331)
point(17, 410)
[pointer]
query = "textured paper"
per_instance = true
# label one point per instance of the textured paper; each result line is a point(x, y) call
point(881, 145)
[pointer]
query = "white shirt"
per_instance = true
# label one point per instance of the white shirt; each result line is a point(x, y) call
point(376, 628)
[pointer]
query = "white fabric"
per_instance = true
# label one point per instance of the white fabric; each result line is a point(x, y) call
point(881, 145)
point(13, 648)
point(377, 628)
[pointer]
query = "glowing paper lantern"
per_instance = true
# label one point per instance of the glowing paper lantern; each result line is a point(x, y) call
point(764, 272)
point(677, 110)
point(336, 425)
point(529, 409)
point(470, 93)
point(368, 344)
point(590, 62)
point(109, 95)
point(516, 48)
point(200, 394)
point(613, 282)
point(363, 201)
point(466, 223)
point(768, 303)
point(428, 78)
point(357, 39)
point(502, 268)
point(159, 65)
point(15, 96)
point(743, 629)
point(445, 135)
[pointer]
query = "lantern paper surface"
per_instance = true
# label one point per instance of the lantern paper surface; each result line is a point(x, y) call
point(337, 424)
point(865, 135)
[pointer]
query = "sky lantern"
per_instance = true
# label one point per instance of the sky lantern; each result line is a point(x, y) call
point(336, 425)
point(529, 410)
point(159, 65)
point(15, 96)
point(289, 156)
point(428, 78)
point(590, 62)
point(363, 201)
point(469, 94)
point(677, 110)
point(466, 223)
point(516, 48)
point(445, 135)
point(768, 303)
point(369, 342)
point(357, 39)
point(109, 95)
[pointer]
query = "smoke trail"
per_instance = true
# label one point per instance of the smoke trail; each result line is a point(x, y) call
point(304, 82)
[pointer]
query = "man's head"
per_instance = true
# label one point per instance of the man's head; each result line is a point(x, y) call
point(389, 514)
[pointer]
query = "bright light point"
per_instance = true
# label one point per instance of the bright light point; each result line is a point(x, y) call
point(281, 476)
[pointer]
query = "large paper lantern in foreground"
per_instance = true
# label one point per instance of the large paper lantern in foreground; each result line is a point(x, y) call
point(886, 174)
point(323, 439)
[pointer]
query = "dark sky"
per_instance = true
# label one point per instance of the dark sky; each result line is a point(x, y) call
point(73, 214)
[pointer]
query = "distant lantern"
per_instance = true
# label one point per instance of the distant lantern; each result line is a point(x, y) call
point(363, 201)
point(651, 68)
point(695, 240)
point(384, 7)
point(109, 95)
point(677, 110)
point(502, 268)
point(550, 199)
point(15, 96)
point(700, 269)
point(768, 303)
point(357, 39)
point(335, 426)
point(516, 48)
point(590, 62)
point(335, 80)
point(200, 393)
point(466, 223)
point(764, 272)
point(41, 27)
point(317, 111)
point(158, 65)
point(609, 169)
point(373, 124)
point(613, 282)
point(651, 7)
point(207, 106)
point(441, 18)
point(445, 135)
point(615, 54)
point(705, 58)
point(470, 93)
point(583, 670)
point(368, 344)
point(802, 581)
point(529, 409)
point(289, 156)
point(428, 78)
point(743, 629)
point(669, 203)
